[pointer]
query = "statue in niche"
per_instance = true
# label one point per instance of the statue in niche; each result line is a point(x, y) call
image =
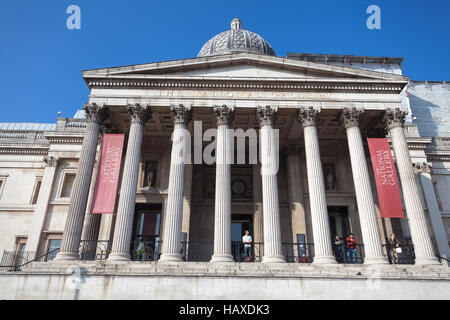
point(150, 174)
point(330, 177)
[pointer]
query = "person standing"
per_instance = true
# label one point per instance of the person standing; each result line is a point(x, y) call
point(351, 243)
point(247, 240)
point(337, 243)
point(394, 247)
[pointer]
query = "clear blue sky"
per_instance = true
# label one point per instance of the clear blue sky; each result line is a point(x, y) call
point(41, 60)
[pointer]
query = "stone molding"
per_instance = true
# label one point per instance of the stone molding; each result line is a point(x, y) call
point(266, 115)
point(217, 84)
point(181, 114)
point(350, 117)
point(224, 114)
point(139, 113)
point(95, 113)
point(394, 118)
point(308, 116)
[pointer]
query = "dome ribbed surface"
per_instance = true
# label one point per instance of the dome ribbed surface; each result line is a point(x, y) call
point(236, 40)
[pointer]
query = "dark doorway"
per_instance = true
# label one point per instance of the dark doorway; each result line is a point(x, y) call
point(339, 223)
point(146, 240)
point(239, 224)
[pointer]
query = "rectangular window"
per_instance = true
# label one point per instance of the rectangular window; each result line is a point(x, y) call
point(53, 245)
point(37, 188)
point(66, 189)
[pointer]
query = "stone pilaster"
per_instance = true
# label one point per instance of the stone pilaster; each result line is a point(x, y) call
point(423, 169)
point(423, 248)
point(222, 216)
point(269, 169)
point(366, 207)
point(323, 252)
point(174, 213)
point(95, 116)
point(138, 115)
point(40, 212)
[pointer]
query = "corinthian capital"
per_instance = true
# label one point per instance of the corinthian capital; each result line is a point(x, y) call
point(139, 114)
point(394, 117)
point(308, 116)
point(350, 117)
point(51, 161)
point(181, 114)
point(266, 115)
point(424, 167)
point(95, 113)
point(223, 114)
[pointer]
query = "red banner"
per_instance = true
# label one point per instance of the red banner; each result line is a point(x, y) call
point(108, 174)
point(385, 178)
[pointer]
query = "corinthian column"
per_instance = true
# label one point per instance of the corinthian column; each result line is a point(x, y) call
point(222, 216)
point(423, 248)
point(174, 212)
point(70, 245)
point(269, 147)
point(323, 252)
point(125, 212)
point(366, 207)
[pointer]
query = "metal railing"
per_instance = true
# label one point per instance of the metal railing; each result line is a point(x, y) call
point(97, 250)
point(15, 261)
point(298, 252)
point(198, 251)
point(406, 256)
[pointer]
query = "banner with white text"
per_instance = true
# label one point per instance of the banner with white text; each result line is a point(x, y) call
point(108, 174)
point(385, 178)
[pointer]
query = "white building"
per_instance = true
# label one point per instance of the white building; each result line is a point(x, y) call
point(177, 228)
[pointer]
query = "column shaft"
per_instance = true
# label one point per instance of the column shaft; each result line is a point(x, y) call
point(269, 146)
point(222, 213)
point(174, 212)
point(125, 212)
point(423, 247)
point(323, 252)
point(70, 244)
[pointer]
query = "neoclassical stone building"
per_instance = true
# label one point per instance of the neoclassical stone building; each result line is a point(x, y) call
point(174, 217)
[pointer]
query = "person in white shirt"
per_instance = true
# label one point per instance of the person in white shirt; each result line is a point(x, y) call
point(247, 240)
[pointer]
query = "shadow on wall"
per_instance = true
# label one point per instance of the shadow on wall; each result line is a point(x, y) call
point(430, 117)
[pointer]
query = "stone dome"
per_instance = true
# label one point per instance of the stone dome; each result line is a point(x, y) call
point(236, 40)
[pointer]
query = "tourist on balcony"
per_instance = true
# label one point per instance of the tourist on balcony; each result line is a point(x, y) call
point(247, 240)
point(394, 248)
point(338, 251)
point(351, 243)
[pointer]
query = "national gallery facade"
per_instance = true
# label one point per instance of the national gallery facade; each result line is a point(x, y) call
point(298, 177)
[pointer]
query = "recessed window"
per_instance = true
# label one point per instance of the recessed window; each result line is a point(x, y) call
point(37, 188)
point(66, 189)
point(2, 184)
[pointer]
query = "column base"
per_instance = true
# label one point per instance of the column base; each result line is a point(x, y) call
point(273, 259)
point(222, 258)
point(67, 256)
point(375, 260)
point(170, 257)
point(325, 260)
point(422, 261)
point(119, 257)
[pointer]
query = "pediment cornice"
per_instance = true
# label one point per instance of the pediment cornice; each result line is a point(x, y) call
point(318, 76)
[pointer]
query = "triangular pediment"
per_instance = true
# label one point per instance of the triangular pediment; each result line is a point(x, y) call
point(243, 66)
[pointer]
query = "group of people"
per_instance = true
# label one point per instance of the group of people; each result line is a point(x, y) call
point(350, 243)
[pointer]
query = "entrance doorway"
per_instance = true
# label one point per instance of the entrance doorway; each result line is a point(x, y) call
point(239, 224)
point(339, 223)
